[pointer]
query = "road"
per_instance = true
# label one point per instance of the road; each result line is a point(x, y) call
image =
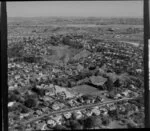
point(132, 43)
point(74, 109)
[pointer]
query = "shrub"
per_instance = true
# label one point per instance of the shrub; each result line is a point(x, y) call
point(20, 128)
point(92, 121)
point(109, 84)
point(16, 92)
point(113, 114)
point(105, 120)
point(60, 127)
point(30, 103)
point(15, 50)
point(13, 97)
point(75, 125)
point(32, 59)
point(66, 41)
point(40, 92)
point(117, 83)
point(81, 121)
point(24, 110)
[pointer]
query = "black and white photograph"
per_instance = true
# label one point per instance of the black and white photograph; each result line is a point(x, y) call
point(75, 65)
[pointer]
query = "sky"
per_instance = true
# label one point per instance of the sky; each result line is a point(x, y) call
point(75, 8)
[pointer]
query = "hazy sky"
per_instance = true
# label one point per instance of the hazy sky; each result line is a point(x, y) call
point(76, 8)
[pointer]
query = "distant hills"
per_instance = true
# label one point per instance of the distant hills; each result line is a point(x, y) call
point(74, 20)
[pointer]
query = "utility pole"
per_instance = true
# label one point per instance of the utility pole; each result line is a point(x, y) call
point(146, 68)
point(4, 87)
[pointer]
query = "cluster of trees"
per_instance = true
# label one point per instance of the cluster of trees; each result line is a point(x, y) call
point(87, 123)
point(73, 43)
point(15, 50)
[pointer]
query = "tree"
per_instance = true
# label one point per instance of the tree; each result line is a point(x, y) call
point(117, 83)
point(105, 120)
point(15, 50)
point(112, 94)
point(113, 114)
point(109, 84)
point(66, 40)
point(30, 103)
point(92, 121)
point(75, 125)
point(60, 127)
point(40, 92)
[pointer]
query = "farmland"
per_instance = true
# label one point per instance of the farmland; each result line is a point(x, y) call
point(70, 68)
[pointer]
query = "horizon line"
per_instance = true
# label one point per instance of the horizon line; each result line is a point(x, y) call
point(75, 16)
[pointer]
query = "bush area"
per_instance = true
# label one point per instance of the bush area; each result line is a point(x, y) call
point(15, 50)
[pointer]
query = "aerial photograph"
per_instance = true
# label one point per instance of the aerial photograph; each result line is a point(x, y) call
point(75, 65)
